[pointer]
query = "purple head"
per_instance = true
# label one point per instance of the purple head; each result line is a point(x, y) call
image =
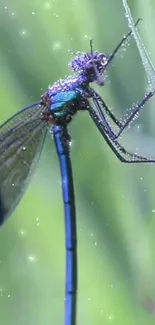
point(90, 65)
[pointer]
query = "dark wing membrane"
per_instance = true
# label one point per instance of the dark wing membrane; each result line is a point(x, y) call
point(21, 141)
point(26, 114)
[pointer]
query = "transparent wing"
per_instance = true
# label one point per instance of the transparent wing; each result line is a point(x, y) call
point(21, 141)
point(19, 118)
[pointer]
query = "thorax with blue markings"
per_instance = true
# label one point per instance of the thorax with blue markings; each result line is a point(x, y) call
point(67, 96)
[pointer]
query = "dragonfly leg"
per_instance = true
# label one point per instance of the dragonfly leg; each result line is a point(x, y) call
point(123, 40)
point(120, 152)
point(128, 157)
point(100, 105)
point(135, 111)
point(102, 108)
point(96, 97)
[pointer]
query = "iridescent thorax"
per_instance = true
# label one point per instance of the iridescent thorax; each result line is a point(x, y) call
point(67, 96)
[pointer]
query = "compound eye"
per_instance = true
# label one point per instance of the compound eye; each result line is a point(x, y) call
point(104, 59)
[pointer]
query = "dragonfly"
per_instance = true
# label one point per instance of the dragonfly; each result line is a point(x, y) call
point(22, 138)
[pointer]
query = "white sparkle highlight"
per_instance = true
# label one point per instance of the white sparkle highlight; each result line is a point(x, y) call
point(47, 5)
point(32, 258)
point(56, 46)
point(24, 33)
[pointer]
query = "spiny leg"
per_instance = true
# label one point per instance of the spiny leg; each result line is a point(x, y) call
point(97, 97)
point(101, 106)
point(106, 125)
point(116, 146)
point(136, 110)
point(123, 40)
point(99, 77)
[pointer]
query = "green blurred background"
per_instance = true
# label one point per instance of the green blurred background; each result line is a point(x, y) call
point(115, 202)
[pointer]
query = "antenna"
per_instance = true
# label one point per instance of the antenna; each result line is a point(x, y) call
point(91, 47)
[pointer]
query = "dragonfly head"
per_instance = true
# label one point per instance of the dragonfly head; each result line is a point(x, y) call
point(90, 65)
